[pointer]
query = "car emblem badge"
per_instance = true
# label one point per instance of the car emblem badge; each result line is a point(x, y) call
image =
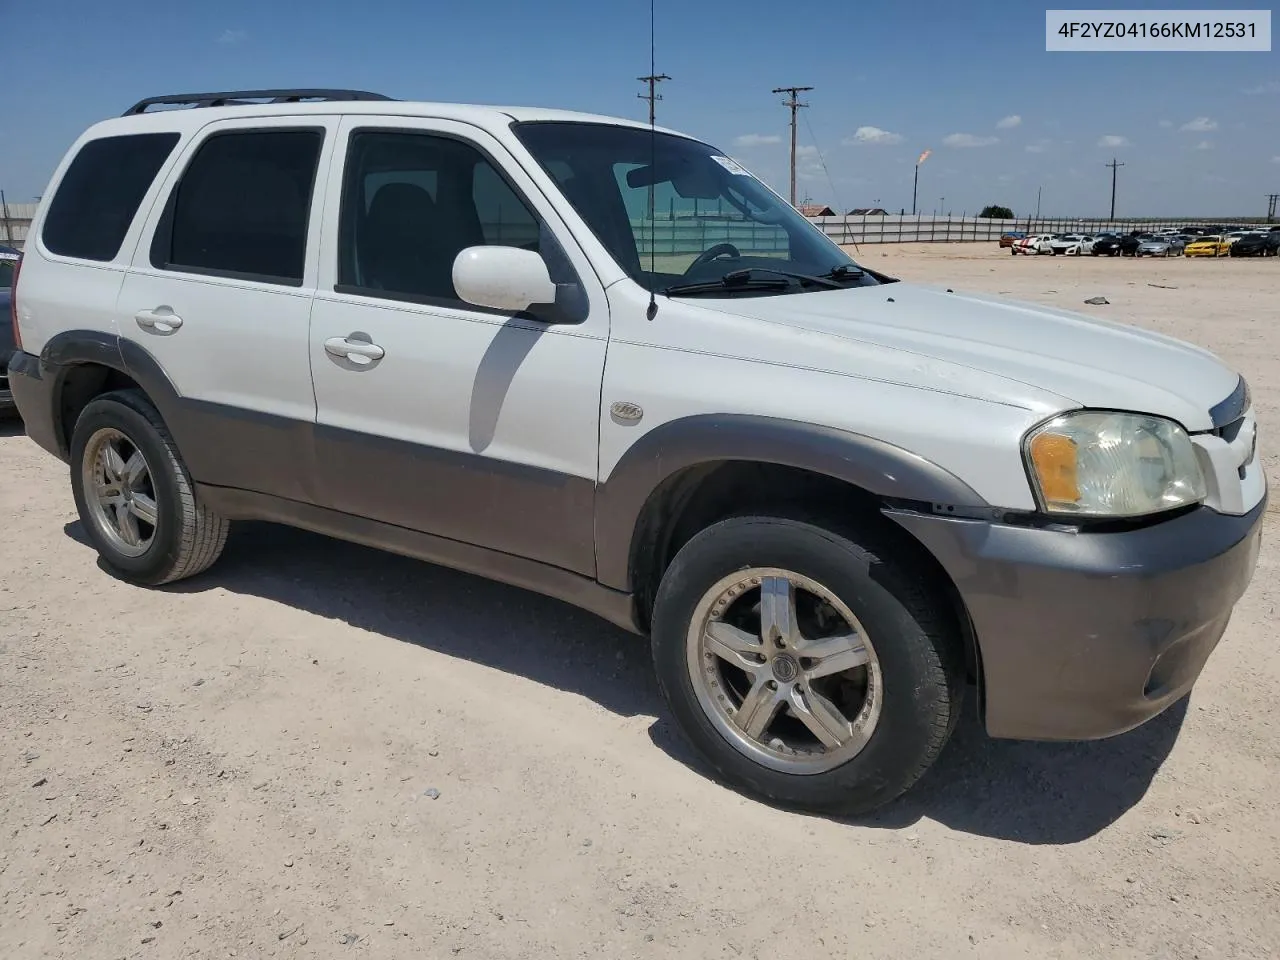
point(623, 411)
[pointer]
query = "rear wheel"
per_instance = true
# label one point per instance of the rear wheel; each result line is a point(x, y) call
point(135, 499)
point(810, 669)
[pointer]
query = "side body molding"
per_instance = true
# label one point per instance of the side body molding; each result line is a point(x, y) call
point(880, 468)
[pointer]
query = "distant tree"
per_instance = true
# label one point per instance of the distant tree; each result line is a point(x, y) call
point(993, 212)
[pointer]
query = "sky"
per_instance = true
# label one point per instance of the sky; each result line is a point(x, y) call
point(1198, 133)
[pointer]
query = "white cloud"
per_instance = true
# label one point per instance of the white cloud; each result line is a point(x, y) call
point(806, 150)
point(1166, 124)
point(968, 140)
point(1009, 122)
point(1112, 140)
point(1204, 145)
point(232, 36)
point(1271, 86)
point(873, 135)
point(1276, 158)
point(756, 139)
point(1040, 146)
point(1200, 125)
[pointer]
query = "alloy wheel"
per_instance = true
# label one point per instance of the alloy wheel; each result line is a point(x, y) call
point(784, 670)
point(120, 494)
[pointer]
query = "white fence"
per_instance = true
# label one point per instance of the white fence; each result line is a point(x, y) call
point(927, 229)
point(15, 220)
point(688, 236)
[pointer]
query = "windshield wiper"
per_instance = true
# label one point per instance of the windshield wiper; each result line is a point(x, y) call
point(824, 281)
point(719, 286)
point(743, 280)
point(734, 281)
point(844, 271)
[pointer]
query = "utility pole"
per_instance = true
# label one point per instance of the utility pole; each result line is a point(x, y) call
point(1271, 206)
point(1114, 165)
point(8, 230)
point(794, 103)
point(652, 96)
point(1039, 189)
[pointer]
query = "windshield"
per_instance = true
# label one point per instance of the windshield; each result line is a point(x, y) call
point(708, 219)
point(7, 268)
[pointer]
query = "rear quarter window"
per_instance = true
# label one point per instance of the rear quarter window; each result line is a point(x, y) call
point(99, 195)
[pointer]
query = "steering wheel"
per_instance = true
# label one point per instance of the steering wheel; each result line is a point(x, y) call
point(713, 253)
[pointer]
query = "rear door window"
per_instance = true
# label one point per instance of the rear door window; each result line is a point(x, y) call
point(242, 206)
point(99, 195)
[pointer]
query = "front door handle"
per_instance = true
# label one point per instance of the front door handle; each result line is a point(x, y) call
point(355, 348)
point(161, 320)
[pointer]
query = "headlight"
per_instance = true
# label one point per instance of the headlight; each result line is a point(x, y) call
point(1101, 464)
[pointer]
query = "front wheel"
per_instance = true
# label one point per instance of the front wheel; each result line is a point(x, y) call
point(810, 669)
point(135, 499)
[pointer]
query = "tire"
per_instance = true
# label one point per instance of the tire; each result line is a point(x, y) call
point(916, 662)
point(185, 536)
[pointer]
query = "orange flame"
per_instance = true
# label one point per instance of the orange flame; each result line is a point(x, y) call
point(923, 157)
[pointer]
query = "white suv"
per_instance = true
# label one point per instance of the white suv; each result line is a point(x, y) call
point(608, 364)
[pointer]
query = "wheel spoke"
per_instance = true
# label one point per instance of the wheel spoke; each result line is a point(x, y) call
point(112, 462)
point(144, 508)
point(834, 655)
point(135, 470)
point(821, 716)
point(127, 524)
point(758, 709)
point(778, 612)
point(736, 646)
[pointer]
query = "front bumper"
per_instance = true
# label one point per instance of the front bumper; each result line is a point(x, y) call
point(1086, 635)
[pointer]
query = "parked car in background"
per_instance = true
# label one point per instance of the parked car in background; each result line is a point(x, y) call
point(1129, 245)
point(1212, 246)
point(1010, 238)
point(1070, 244)
point(1257, 245)
point(8, 267)
point(1105, 245)
point(1036, 244)
point(1169, 246)
point(1235, 235)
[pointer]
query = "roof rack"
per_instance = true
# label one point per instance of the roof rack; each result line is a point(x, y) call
point(245, 97)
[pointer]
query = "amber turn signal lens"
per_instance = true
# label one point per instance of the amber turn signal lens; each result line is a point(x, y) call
point(1054, 458)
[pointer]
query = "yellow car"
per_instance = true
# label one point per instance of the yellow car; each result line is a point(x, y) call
point(1208, 247)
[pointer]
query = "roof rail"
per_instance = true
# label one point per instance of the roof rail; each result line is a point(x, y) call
point(244, 97)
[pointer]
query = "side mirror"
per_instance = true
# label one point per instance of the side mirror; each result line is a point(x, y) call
point(502, 278)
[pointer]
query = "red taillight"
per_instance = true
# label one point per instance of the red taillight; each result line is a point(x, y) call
point(13, 306)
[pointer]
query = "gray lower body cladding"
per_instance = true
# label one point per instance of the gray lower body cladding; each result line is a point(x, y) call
point(1087, 635)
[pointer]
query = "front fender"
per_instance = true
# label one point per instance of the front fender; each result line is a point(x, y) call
point(879, 468)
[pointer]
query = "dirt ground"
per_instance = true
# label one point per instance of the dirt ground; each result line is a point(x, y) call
point(317, 750)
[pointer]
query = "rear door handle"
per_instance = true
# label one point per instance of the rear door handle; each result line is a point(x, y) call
point(355, 348)
point(161, 320)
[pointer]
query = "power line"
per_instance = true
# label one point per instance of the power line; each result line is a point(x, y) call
point(823, 160)
point(1114, 165)
point(793, 102)
point(652, 96)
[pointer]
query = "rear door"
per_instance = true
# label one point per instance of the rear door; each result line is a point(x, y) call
point(217, 300)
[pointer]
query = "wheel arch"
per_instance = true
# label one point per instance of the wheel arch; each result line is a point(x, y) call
point(690, 472)
point(84, 364)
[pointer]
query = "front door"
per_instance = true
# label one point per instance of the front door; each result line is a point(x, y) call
point(433, 414)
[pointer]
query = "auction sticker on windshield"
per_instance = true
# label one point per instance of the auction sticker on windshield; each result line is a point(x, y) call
point(1169, 31)
point(731, 165)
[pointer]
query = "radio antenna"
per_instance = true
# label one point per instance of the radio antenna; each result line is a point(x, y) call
point(653, 80)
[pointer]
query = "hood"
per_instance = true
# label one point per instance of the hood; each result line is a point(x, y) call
point(1084, 360)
